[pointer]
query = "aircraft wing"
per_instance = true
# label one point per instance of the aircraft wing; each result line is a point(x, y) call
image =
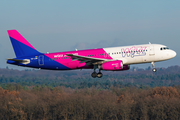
point(85, 59)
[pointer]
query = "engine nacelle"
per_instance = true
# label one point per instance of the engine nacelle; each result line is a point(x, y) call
point(112, 65)
point(126, 67)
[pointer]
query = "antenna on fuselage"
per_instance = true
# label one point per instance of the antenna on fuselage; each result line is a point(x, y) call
point(149, 43)
point(76, 49)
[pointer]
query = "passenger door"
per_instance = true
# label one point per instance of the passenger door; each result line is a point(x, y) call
point(151, 50)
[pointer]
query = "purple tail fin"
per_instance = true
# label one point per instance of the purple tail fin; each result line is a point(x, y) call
point(21, 46)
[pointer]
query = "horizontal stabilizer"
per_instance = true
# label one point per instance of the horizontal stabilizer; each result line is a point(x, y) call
point(24, 61)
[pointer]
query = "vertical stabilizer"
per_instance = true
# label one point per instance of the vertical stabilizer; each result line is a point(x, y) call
point(21, 46)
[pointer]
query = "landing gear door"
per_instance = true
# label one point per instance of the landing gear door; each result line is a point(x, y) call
point(151, 50)
point(41, 60)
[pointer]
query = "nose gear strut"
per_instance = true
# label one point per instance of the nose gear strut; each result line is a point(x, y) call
point(153, 65)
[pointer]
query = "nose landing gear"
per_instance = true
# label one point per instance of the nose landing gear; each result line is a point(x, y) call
point(154, 69)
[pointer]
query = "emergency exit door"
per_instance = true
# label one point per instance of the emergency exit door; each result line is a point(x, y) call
point(41, 60)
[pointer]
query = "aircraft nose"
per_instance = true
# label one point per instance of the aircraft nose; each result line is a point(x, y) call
point(173, 53)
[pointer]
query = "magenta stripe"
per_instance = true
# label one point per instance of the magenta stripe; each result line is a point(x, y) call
point(74, 64)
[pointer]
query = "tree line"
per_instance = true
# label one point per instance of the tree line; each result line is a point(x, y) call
point(81, 79)
point(63, 103)
point(137, 94)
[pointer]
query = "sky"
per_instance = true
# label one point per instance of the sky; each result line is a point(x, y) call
point(57, 25)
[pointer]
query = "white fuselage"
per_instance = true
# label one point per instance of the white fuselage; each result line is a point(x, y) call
point(137, 54)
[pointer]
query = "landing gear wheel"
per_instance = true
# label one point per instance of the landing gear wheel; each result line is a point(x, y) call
point(154, 69)
point(99, 75)
point(94, 74)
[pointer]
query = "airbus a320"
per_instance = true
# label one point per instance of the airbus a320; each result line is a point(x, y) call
point(110, 59)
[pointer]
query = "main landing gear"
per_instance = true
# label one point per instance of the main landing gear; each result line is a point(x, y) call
point(94, 74)
point(154, 69)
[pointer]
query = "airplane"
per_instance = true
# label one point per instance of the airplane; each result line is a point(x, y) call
point(109, 59)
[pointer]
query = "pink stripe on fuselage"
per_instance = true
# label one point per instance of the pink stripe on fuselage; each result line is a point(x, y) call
point(17, 36)
point(94, 53)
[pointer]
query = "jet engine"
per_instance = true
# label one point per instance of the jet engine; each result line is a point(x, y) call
point(114, 66)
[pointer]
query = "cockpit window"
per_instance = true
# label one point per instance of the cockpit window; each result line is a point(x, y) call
point(164, 48)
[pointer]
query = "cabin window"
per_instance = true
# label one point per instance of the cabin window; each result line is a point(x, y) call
point(164, 48)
